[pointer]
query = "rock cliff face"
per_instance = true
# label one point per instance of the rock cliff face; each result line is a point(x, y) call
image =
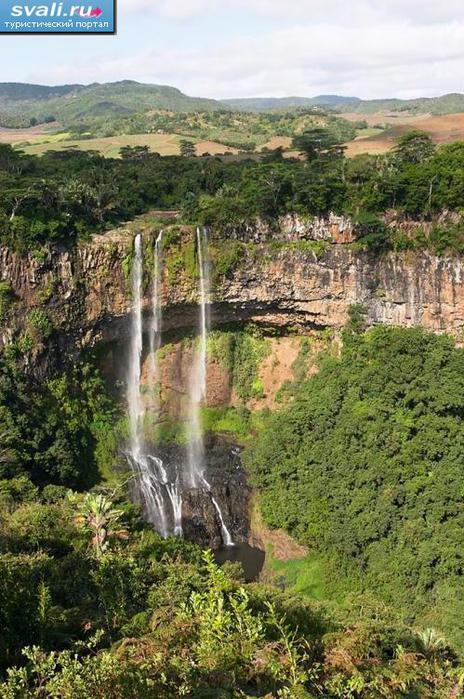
point(228, 486)
point(277, 279)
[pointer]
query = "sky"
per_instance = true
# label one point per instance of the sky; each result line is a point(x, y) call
point(244, 48)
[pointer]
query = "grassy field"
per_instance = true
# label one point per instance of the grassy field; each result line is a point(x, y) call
point(306, 576)
point(442, 129)
point(314, 576)
point(162, 131)
point(384, 118)
point(374, 140)
point(164, 144)
point(284, 142)
point(32, 133)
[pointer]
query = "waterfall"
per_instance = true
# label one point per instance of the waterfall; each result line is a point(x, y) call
point(226, 537)
point(161, 495)
point(155, 333)
point(174, 488)
point(205, 284)
point(197, 379)
point(197, 387)
point(135, 404)
point(160, 487)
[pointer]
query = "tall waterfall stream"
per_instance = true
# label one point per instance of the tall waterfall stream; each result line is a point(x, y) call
point(160, 488)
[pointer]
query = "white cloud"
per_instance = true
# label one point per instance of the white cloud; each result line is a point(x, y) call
point(365, 48)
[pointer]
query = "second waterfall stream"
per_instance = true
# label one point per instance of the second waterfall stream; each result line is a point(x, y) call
point(160, 488)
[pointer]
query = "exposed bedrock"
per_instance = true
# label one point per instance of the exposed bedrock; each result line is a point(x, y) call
point(226, 477)
point(277, 281)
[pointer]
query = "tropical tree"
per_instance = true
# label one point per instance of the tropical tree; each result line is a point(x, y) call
point(99, 519)
point(316, 142)
point(414, 147)
point(187, 149)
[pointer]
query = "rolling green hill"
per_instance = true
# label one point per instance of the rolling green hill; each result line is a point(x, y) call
point(19, 103)
point(25, 91)
point(94, 108)
point(446, 104)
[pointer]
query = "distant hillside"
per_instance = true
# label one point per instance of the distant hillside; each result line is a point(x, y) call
point(263, 104)
point(446, 104)
point(95, 108)
point(19, 103)
point(25, 91)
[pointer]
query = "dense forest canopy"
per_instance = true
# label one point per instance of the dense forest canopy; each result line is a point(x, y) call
point(58, 432)
point(63, 195)
point(369, 455)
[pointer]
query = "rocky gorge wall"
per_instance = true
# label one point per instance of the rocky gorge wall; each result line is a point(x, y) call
point(302, 275)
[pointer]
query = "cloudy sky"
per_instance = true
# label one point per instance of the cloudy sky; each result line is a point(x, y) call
point(242, 48)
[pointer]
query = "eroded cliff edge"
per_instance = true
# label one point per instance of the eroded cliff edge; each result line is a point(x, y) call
point(301, 274)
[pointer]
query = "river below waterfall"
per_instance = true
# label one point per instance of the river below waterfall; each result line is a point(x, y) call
point(251, 559)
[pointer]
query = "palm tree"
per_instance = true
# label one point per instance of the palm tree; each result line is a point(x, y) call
point(431, 643)
point(97, 516)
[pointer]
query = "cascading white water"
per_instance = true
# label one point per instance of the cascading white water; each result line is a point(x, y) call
point(197, 385)
point(140, 464)
point(197, 379)
point(203, 264)
point(155, 333)
point(226, 536)
point(135, 404)
point(161, 491)
point(159, 494)
point(174, 488)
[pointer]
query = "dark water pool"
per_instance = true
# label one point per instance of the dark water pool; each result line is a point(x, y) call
point(252, 559)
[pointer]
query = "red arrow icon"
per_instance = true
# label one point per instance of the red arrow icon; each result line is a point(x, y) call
point(96, 12)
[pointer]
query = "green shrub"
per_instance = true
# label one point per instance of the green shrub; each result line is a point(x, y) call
point(249, 351)
point(39, 321)
point(5, 298)
point(226, 255)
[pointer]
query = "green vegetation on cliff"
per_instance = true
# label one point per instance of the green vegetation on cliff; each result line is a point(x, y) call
point(369, 456)
point(93, 603)
point(56, 433)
